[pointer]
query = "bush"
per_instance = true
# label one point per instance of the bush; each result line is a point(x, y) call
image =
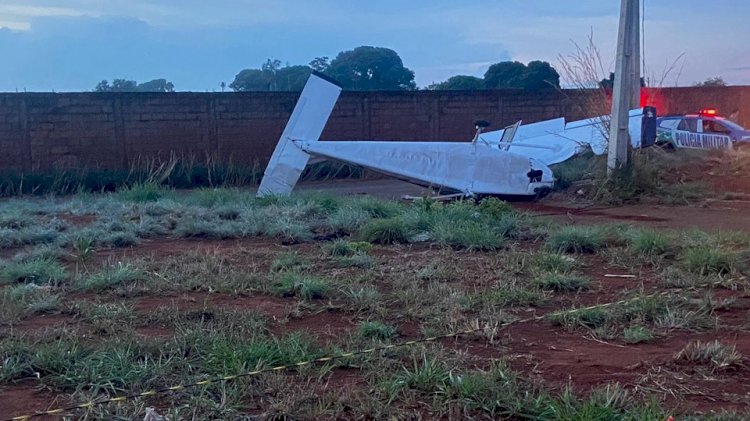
point(495, 208)
point(385, 231)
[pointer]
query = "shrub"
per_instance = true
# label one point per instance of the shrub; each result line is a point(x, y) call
point(375, 330)
point(573, 239)
point(495, 208)
point(37, 271)
point(385, 231)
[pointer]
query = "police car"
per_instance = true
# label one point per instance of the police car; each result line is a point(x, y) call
point(705, 130)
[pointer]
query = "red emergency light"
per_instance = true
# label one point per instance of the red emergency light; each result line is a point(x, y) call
point(708, 111)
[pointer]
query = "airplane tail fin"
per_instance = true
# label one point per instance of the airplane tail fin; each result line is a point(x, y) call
point(305, 124)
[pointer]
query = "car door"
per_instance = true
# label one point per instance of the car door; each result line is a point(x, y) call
point(686, 134)
point(715, 135)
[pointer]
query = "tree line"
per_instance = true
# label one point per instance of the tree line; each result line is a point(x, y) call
point(368, 68)
point(364, 68)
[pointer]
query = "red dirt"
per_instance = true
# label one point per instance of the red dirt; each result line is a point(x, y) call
point(16, 400)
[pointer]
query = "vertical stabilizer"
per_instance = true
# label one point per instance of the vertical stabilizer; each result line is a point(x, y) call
point(305, 124)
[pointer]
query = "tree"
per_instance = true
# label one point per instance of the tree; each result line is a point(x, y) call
point(319, 64)
point(271, 77)
point(156, 85)
point(514, 74)
point(371, 68)
point(712, 82)
point(124, 85)
point(459, 83)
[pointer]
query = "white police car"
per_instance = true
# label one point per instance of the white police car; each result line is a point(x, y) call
point(705, 130)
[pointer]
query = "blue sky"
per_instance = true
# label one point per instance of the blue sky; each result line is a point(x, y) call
point(70, 45)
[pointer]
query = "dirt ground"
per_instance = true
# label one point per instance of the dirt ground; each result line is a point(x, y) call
point(537, 349)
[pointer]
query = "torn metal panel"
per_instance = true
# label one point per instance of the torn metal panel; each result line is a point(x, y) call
point(306, 123)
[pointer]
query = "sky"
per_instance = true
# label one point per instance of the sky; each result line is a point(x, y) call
point(71, 45)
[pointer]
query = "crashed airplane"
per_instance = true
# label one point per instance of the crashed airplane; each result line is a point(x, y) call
point(510, 162)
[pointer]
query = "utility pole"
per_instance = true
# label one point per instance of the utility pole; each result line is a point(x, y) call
point(627, 84)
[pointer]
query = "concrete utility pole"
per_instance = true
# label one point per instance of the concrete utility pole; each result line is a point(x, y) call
point(627, 84)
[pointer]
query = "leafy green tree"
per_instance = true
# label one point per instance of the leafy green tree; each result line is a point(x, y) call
point(156, 85)
point(711, 82)
point(459, 83)
point(271, 77)
point(371, 68)
point(319, 64)
point(514, 74)
point(506, 74)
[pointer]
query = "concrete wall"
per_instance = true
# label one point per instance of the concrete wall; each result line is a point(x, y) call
point(41, 131)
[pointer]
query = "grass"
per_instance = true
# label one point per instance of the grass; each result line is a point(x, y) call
point(385, 231)
point(290, 260)
point(468, 235)
point(375, 330)
point(553, 262)
point(36, 271)
point(637, 334)
point(345, 248)
point(710, 260)
point(562, 282)
point(576, 239)
point(649, 243)
point(714, 353)
point(111, 276)
point(303, 286)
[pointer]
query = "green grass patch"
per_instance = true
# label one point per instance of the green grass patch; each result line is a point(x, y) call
point(385, 231)
point(710, 260)
point(553, 262)
point(304, 286)
point(36, 271)
point(111, 276)
point(577, 239)
point(562, 282)
point(344, 248)
point(714, 353)
point(290, 260)
point(637, 334)
point(375, 330)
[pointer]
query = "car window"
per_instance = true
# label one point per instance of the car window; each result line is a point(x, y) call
point(713, 126)
point(669, 123)
point(688, 125)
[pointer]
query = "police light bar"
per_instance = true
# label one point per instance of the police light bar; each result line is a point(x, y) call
point(708, 111)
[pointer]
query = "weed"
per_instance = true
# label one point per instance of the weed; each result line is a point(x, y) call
point(289, 230)
point(637, 334)
point(714, 353)
point(436, 272)
point(111, 276)
point(576, 239)
point(590, 318)
point(36, 271)
point(375, 330)
point(297, 285)
point(348, 219)
point(562, 282)
point(385, 231)
point(365, 297)
point(377, 208)
point(428, 375)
